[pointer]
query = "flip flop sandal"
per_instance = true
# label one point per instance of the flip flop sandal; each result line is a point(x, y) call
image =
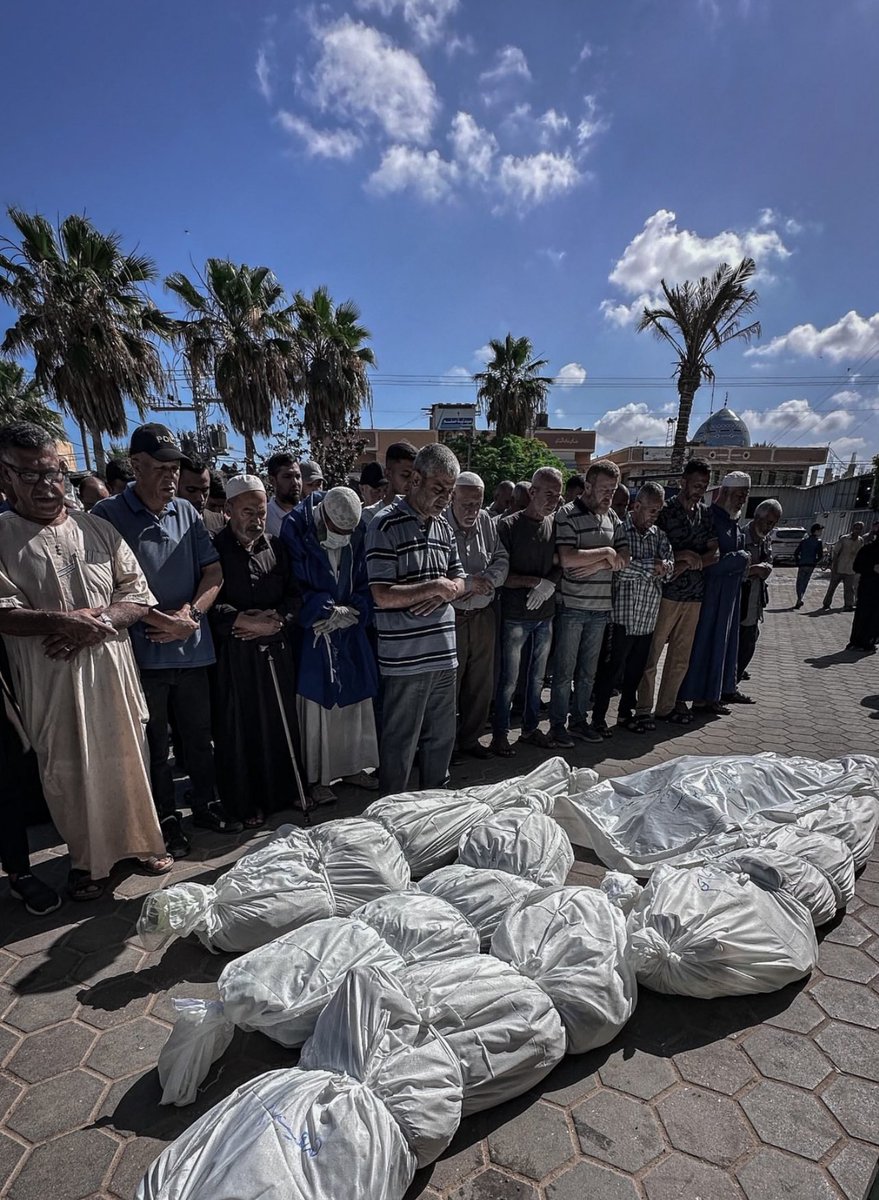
point(81, 886)
point(677, 718)
point(157, 864)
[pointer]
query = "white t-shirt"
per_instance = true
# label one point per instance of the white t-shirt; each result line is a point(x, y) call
point(274, 516)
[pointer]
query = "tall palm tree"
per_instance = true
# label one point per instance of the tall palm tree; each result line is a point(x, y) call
point(238, 331)
point(21, 399)
point(84, 315)
point(333, 363)
point(698, 319)
point(511, 390)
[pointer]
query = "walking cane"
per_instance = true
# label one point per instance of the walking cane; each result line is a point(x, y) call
point(268, 652)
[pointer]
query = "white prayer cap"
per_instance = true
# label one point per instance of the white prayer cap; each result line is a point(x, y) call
point(343, 506)
point(243, 483)
point(736, 479)
point(469, 479)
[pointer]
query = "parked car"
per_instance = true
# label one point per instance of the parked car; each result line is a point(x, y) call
point(785, 541)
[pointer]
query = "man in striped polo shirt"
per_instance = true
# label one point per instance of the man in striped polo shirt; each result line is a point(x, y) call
point(592, 545)
point(414, 575)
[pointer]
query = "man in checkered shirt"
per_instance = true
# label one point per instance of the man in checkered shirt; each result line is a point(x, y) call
point(637, 591)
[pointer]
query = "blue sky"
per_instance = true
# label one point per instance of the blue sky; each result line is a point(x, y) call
point(462, 168)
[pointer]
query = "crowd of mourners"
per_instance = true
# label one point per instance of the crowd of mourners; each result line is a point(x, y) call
point(272, 643)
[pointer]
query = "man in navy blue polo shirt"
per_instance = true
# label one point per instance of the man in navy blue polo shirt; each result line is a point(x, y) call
point(172, 645)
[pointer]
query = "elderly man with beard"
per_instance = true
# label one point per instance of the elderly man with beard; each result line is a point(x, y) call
point(486, 562)
point(337, 678)
point(714, 658)
point(414, 575)
point(70, 588)
point(252, 621)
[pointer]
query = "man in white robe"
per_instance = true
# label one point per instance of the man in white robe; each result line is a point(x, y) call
point(69, 590)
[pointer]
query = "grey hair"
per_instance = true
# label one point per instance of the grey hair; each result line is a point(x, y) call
point(436, 459)
point(544, 474)
point(768, 506)
point(651, 489)
point(24, 435)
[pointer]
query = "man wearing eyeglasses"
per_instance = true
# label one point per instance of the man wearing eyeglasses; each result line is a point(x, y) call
point(69, 590)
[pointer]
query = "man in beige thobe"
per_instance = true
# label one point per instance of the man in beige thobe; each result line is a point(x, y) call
point(69, 590)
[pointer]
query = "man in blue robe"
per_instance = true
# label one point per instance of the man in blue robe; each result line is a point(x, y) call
point(712, 670)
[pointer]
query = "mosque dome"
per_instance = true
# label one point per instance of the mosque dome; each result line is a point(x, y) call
point(723, 428)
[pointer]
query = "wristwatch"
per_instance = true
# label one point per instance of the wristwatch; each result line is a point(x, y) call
point(195, 614)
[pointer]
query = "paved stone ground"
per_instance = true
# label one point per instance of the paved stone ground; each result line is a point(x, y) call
point(762, 1097)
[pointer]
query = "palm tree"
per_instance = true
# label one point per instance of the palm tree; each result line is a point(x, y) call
point(84, 315)
point(332, 363)
point(698, 319)
point(21, 399)
point(511, 390)
point(238, 331)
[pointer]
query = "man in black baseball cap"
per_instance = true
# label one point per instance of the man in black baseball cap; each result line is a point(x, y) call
point(157, 441)
point(373, 483)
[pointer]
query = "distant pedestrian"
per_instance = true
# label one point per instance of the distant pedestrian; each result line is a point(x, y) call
point(372, 485)
point(873, 535)
point(574, 488)
point(118, 474)
point(842, 568)
point(92, 489)
point(399, 464)
point(755, 591)
point(312, 477)
point(592, 546)
point(194, 483)
point(485, 562)
point(337, 678)
point(527, 608)
point(620, 502)
point(713, 662)
point(865, 623)
point(807, 556)
point(500, 502)
point(285, 477)
point(520, 498)
point(637, 594)
point(414, 575)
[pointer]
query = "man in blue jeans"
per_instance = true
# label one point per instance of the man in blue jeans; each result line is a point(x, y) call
point(807, 556)
point(414, 575)
point(592, 545)
point(527, 607)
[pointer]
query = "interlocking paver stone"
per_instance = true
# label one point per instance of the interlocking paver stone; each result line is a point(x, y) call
point(705, 1125)
point(854, 1168)
point(128, 1048)
point(10, 1156)
point(9, 1039)
point(678, 1177)
point(721, 1066)
point(51, 1052)
point(29, 1013)
point(588, 1180)
point(791, 1120)
point(855, 1104)
point(492, 1185)
point(639, 1074)
point(103, 964)
point(790, 1057)
point(68, 1168)
point(133, 1162)
point(56, 1106)
point(10, 1090)
point(533, 1144)
point(771, 1175)
point(801, 1015)
point(848, 1002)
point(569, 1082)
point(618, 1130)
point(849, 932)
point(847, 962)
point(851, 1049)
point(453, 1168)
point(43, 972)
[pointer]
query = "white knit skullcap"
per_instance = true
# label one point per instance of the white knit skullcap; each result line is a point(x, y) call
point(469, 479)
point(736, 479)
point(343, 506)
point(243, 483)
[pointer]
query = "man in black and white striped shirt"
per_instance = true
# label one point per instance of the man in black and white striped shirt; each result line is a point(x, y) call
point(414, 575)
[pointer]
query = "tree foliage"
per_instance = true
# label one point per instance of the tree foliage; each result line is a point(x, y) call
point(22, 399)
point(496, 458)
point(697, 319)
point(511, 390)
point(238, 331)
point(332, 363)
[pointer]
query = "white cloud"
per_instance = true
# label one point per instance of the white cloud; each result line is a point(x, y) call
point(851, 337)
point(592, 123)
point(483, 355)
point(629, 425)
point(320, 143)
point(264, 73)
point(459, 373)
point(556, 257)
point(403, 168)
point(559, 414)
point(571, 374)
point(796, 421)
point(586, 52)
point(536, 178)
point(362, 75)
point(473, 147)
point(510, 61)
point(552, 125)
point(426, 18)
